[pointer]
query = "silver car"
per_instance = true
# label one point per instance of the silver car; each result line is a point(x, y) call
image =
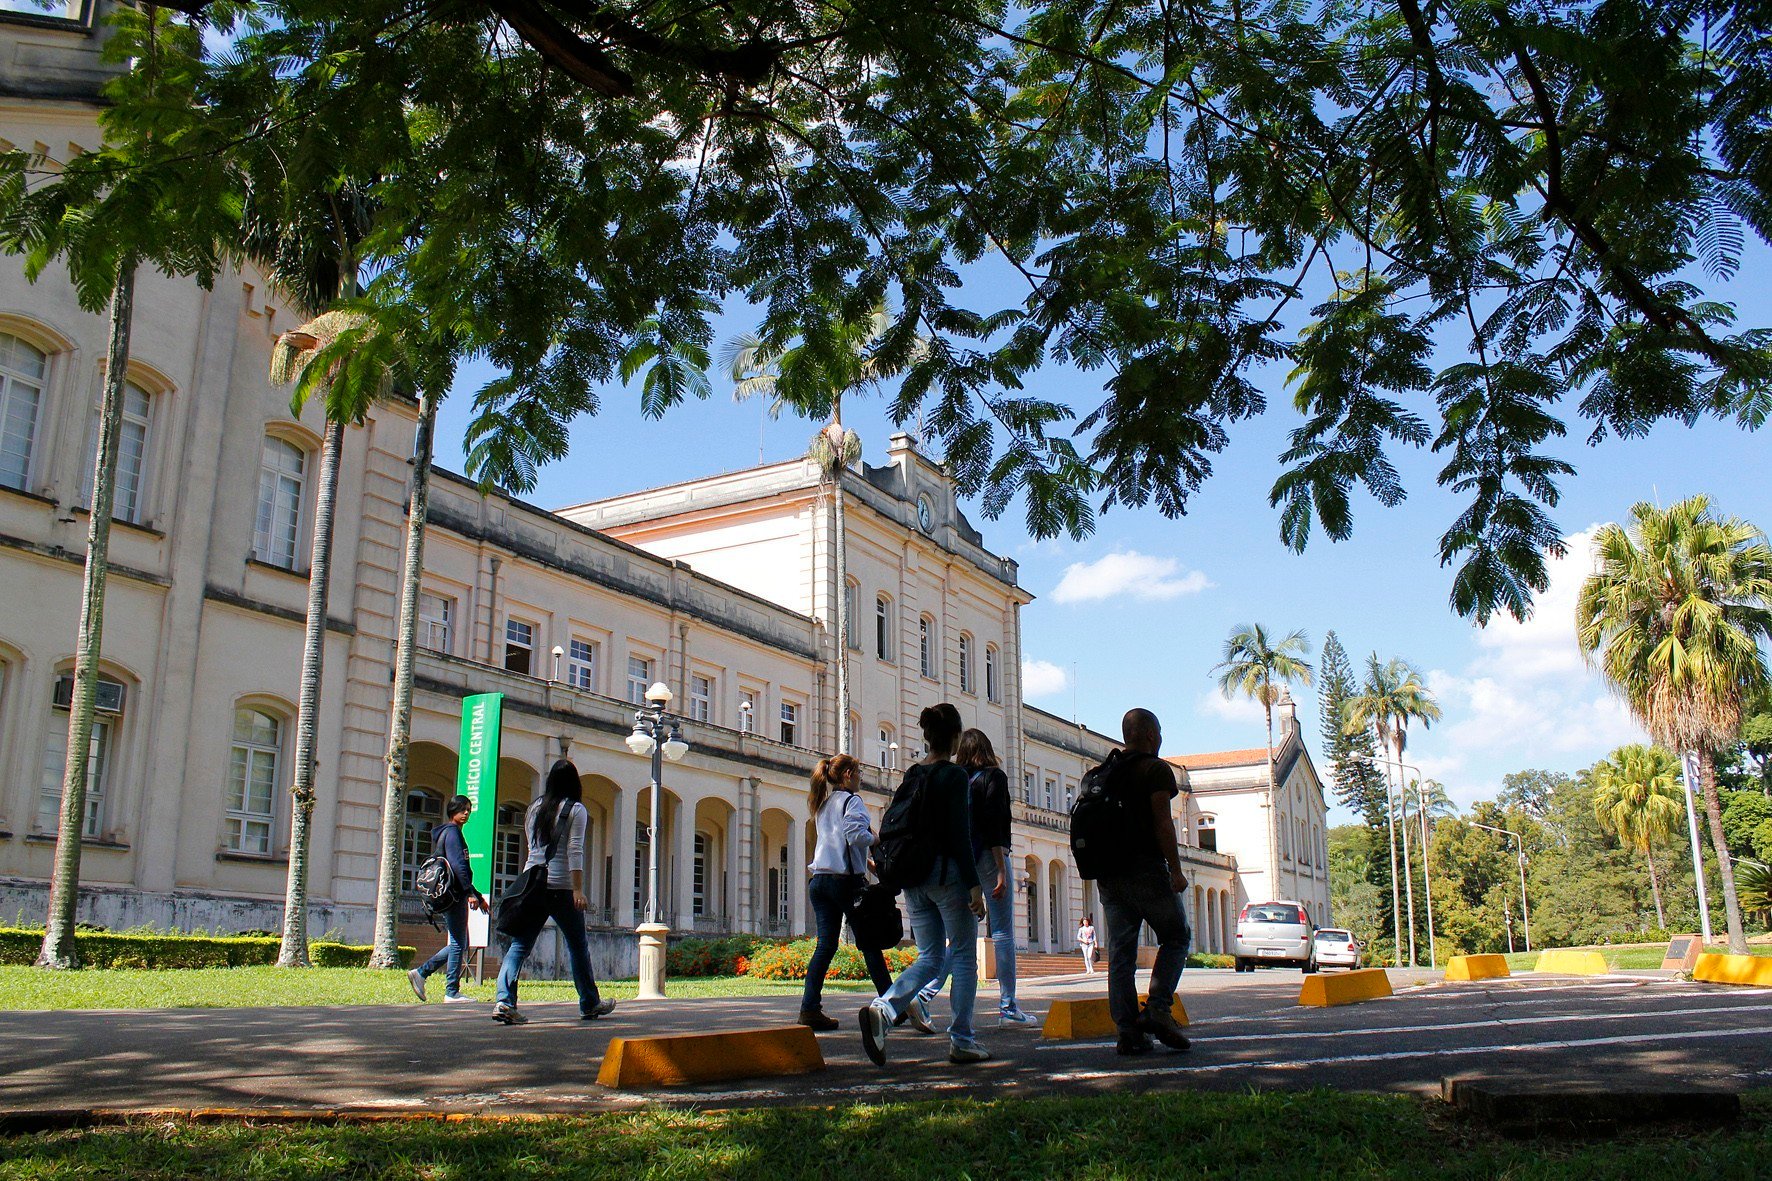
point(1336, 948)
point(1275, 933)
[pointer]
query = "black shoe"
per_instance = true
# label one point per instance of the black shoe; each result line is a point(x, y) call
point(817, 1020)
point(600, 1009)
point(1131, 1044)
point(1162, 1026)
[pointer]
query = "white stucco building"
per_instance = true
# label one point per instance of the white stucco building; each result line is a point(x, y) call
point(724, 588)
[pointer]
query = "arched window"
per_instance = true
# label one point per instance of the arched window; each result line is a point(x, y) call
point(966, 664)
point(926, 646)
point(132, 456)
point(888, 748)
point(507, 847)
point(107, 727)
point(24, 370)
point(993, 690)
point(282, 486)
point(698, 884)
point(1207, 829)
point(254, 774)
point(642, 842)
point(424, 811)
point(883, 627)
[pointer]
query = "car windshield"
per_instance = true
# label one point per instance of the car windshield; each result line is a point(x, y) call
point(1273, 914)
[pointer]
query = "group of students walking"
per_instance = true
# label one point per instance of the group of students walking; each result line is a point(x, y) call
point(944, 845)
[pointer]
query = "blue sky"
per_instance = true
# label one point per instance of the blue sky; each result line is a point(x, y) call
point(1147, 602)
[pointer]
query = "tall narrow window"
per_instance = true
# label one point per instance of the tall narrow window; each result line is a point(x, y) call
point(639, 679)
point(507, 847)
point(966, 664)
point(883, 628)
point(1051, 793)
point(434, 615)
point(886, 748)
point(851, 599)
point(424, 811)
point(252, 781)
point(926, 646)
point(22, 373)
point(519, 646)
point(698, 885)
point(701, 698)
point(581, 664)
point(1027, 787)
point(105, 726)
point(992, 690)
point(282, 479)
point(132, 456)
point(1207, 828)
point(747, 710)
point(642, 842)
point(790, 722)
point(851, 726)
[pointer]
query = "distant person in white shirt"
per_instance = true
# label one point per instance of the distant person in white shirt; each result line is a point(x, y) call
point(1086, 941)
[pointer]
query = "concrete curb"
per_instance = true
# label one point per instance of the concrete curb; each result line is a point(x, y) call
point(675, 1060)
point(61, 1119)
point(1346, 988)
point(1089, 1018)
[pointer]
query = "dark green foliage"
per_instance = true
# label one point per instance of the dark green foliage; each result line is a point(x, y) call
point(1355, 777)
point(1529, 791)
point(111, 950)
point(1747, 822)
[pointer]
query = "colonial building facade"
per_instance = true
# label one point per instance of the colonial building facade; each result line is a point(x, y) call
point(723, 588)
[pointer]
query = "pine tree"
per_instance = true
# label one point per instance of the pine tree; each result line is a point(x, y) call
point(1353, 770)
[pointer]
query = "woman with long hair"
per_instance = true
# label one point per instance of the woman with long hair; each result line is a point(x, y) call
point(839, 870)
point(555, 826)
point(945, 906)
point(989, 793)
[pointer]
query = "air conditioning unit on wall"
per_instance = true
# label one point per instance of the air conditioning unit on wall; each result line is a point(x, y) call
point(107, 700)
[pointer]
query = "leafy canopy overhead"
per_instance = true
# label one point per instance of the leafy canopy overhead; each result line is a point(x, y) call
point(1502, 212)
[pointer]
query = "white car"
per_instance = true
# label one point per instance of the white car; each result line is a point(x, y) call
point(1336, 948)
point(1276, 933)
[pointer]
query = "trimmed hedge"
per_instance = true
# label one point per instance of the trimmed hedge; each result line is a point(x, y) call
point(105, 949)
point(788, 961)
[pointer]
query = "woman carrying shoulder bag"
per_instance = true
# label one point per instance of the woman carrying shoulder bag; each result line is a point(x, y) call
point(555, 826)
point(839, 871)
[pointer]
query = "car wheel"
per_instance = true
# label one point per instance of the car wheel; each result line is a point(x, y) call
point(1240, 966)
point(1309, 967)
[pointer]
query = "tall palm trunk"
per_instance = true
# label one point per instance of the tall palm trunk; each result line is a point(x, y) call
point(1427, 885)
point(1408, 872)
point(294, 951)
point(64, 876)
point(1713, 807)
point(1655, 888)
point(386, 952)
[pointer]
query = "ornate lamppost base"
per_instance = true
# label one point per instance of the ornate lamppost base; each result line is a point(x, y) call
point(652, 961)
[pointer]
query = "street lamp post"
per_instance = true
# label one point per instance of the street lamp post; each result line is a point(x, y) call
point(1427, 887)
point(1520, 846)
point(658, 734)
point(1689, 774)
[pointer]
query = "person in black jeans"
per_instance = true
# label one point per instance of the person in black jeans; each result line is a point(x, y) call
point(839, 865)
point(447, 841)
point(1146, 891)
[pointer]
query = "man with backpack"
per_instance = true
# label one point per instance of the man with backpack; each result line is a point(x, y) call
point(446, 885)
point(1123, 836)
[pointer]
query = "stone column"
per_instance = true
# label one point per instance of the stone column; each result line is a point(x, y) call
point(621, 852)
point(1043, 900)
point(682, 884)
point(745, 847)
point(796, 874)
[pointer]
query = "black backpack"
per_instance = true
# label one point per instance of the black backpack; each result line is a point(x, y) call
point(907, 849)
point(1104, 826)
point(435, 886)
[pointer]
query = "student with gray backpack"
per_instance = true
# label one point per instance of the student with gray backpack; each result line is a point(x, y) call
point(447, 886)
point(925, 849)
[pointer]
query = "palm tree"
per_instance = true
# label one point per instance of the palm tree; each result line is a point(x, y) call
point(865, 356)
point(1674, 615)
point(1392, 697)
point(1260, 667)
point(1636, 800)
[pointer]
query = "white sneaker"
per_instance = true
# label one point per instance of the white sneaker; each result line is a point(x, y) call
point(458, 999)
point(417, 979)
point(918, 1013)
point(1015, 1015)
point(875, 1021)
point(973, 1052)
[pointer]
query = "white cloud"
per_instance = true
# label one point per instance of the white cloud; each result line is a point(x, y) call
point(1042, 678)
point(1527, 699)
point(1244, 711)
point(1141, 576)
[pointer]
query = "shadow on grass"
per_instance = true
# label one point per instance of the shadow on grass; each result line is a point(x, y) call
point(1268, 1134)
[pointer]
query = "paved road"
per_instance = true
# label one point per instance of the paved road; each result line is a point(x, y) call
point(1247, 1033)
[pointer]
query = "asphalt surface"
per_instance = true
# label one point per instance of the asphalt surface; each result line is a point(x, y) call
point(1637, 1030)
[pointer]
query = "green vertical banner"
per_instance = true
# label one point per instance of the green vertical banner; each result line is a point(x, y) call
point(476, 777)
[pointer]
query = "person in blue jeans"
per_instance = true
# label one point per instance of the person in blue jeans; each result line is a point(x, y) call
point(989, 790)
point(944, 908)
point(447, 841)
point(556, 820)
point(839, 870)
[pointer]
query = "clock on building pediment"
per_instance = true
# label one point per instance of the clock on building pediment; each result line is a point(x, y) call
point(925, 512)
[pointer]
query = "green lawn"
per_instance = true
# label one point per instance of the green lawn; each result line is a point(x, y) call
point(1182, 1134)
point(1642, 955)
point(127, 988)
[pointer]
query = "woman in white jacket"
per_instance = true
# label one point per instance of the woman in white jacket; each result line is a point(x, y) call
point(839, 870)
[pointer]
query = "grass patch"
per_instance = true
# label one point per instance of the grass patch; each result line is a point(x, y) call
point(1626, 956)
point(228, 988)
point(1178, 1134)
